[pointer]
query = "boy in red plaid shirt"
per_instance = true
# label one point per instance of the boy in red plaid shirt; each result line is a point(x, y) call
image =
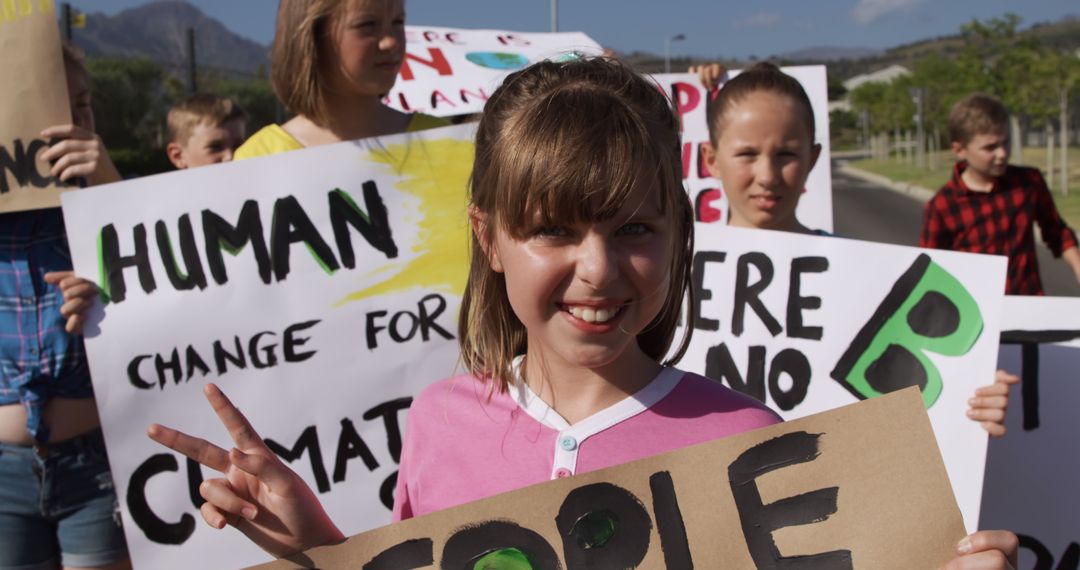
point(990, 206)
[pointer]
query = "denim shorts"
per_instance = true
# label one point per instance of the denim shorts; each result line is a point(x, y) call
point(58, 506)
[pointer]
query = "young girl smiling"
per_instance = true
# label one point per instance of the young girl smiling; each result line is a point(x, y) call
point(581, 250)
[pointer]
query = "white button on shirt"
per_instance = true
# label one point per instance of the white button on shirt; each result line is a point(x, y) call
point(572, 437)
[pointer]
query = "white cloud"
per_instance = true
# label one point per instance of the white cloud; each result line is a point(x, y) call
point(758, 20)
point(869, 11)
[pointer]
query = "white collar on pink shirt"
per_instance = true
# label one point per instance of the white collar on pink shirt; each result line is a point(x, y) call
point(571, 437)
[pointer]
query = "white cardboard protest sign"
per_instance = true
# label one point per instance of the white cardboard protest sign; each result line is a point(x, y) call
point(453, 71)
point(1032, 472)
point(319, 288)
point(710, 201)
point(809, 323)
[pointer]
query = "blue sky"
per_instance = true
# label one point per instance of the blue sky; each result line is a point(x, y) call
point(713, 28)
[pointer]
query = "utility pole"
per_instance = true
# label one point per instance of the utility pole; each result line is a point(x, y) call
point(918, 95)
point(864, 118)
point(67, 21)
point(667, 50)
point(192, 80)
point(1064, 134)
point(554, 15)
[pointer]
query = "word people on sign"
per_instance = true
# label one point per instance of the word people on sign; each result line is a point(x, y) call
point(805, 494)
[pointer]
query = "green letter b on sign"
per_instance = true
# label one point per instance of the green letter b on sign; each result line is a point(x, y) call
point(928, 310)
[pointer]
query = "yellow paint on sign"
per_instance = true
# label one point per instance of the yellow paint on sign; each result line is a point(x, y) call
point(436, 172)
point(11, 10)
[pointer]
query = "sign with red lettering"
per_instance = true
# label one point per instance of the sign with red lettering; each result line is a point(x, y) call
point(451, 71)
point(710, 201)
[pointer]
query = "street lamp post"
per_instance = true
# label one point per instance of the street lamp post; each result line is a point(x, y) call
point(667, 50)
point(554, 15)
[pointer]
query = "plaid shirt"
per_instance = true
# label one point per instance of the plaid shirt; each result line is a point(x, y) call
point(998, 222)
point(38, 359)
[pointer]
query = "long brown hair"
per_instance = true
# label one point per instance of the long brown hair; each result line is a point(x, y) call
point(568, 142)
point(294, 56)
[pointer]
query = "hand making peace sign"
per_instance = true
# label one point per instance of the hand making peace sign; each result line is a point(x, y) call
point(259, 494)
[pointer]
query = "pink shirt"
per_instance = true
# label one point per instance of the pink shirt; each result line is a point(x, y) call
point(461, 447)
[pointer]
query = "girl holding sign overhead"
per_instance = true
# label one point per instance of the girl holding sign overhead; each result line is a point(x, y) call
point(581, 253)
point(332, 62)
point(761, 147)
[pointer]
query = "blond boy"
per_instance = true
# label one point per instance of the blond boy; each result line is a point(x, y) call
point(204, 129)
point(990, 206)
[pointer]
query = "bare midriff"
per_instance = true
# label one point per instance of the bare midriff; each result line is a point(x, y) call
point(66, 419)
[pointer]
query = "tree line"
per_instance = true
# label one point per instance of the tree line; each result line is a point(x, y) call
point(1036, 82)
point(132, 96)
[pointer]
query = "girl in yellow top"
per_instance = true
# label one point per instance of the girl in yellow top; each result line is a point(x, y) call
point(331, 63)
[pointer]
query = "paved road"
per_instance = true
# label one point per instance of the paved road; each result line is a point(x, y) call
point(864, 210)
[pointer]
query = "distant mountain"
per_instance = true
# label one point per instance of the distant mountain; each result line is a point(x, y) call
point(159, 31)
point(844, 63)
point(829, 53)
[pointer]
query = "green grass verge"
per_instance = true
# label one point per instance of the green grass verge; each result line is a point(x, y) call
point(1069, 206)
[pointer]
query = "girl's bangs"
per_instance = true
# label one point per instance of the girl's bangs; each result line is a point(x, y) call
point(578, 156)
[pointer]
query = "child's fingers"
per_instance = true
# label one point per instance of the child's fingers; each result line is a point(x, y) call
point(226, 501)
point(989, 402)
point(74, 324)
point(987, 549)
point(214, 516)
point(993, 560)
point(1003, 377)
point(65, 131)
point(76, 171)
point(986, 414)
point(56, 277)
point(268, 470)
point(66, 147)
point(77, 305)
point(77, 288)
point(76, 308)
point(57, 131)
point(73, 160)
point(243, 434)
point(53, 152)
point(993, 429)
point(992, 390)
point(198, 449)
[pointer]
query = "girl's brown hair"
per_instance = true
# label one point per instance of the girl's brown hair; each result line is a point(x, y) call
point(762, 76)
point(562, 143)
point(294, 56)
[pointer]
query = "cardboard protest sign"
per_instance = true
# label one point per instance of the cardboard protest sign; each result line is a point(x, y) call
point(452, 71)
point(320, 287)
point(808, 323)
point(34, 92)
point(710, 201)
point(808, 492)
point(1032, 472)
